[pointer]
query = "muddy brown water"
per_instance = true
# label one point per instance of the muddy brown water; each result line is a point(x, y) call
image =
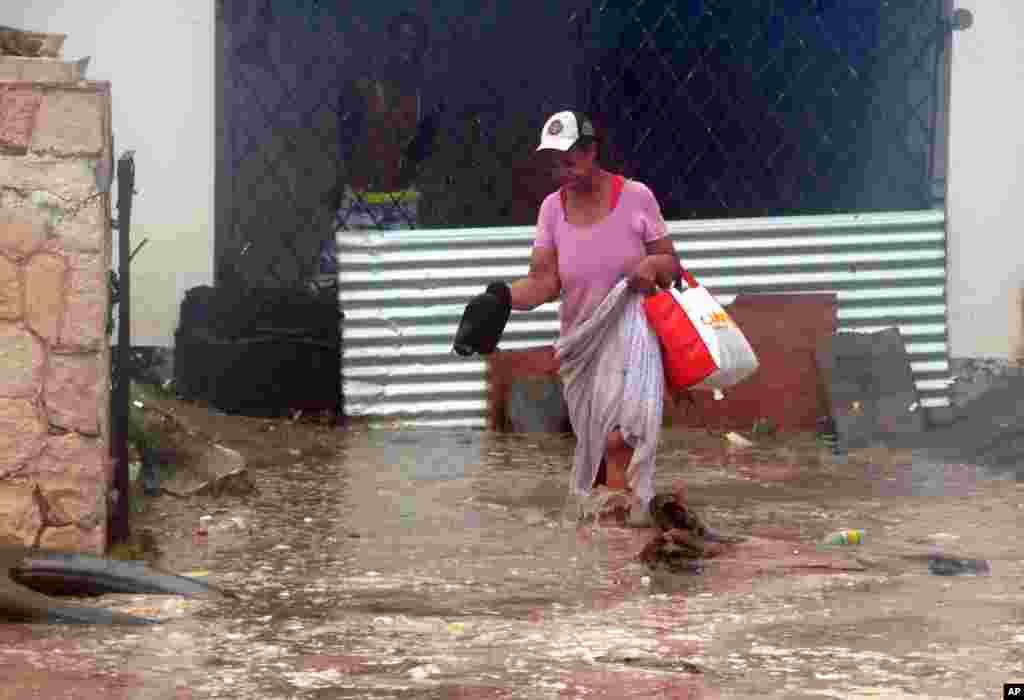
point(449, 564)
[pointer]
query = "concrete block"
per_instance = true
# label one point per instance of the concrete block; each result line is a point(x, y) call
point(23, 42)
point(940, 415)
point(870, 386)
point(19, 109)
point(26, 69)
point(72, 392)
point(504, 368)
point(22, 435)
point(45, 277)
point(71, 179)
point(11, 293)
point(85, 315)
point(70, 122)
point(22, 230)
point(73, 474)
point(22, 358)
point(19, 517)
point(537, 405)
point(85, 229)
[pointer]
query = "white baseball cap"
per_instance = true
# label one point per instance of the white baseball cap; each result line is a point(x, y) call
point(562, 130)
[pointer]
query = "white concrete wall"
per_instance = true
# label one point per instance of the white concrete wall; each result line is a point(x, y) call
point(986, 194)
point(159, 57)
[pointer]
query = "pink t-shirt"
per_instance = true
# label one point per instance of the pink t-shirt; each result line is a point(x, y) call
point(592, 259)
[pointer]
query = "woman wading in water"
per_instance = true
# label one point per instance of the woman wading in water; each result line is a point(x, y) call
point(602, 245)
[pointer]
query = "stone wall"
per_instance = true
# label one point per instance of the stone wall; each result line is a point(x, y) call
point(56, 161)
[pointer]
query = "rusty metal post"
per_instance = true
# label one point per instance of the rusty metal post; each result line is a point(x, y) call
point(120, 512)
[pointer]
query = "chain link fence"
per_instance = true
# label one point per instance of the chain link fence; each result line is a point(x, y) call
point(785, 107)
point(725, 109)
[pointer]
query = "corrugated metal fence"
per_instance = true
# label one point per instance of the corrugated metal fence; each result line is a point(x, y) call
point(403, 293)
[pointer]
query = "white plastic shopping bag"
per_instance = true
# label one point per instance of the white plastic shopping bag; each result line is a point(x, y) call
point(702, 347)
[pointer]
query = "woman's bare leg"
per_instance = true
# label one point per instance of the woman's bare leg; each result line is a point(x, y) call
point(618, 456)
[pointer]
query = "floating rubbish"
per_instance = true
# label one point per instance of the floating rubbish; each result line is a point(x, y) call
point(738, 440)
point(941, 565)
point(456, 627)
point(845, 537)
point(827, 434)
point(202, 573)
point(765, 427)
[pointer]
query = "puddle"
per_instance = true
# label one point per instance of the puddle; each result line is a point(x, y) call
point(430, 564)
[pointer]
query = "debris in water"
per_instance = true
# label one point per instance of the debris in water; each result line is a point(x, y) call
point(765, 427)
point(845, 537)
point(738, 440)
point(941, 565)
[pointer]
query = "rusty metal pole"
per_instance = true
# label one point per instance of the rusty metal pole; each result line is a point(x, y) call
point(120, 513)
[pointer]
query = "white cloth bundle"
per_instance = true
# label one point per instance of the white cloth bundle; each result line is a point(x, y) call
point(611, 368)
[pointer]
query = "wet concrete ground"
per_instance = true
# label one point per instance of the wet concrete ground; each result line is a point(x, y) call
point(444, 565)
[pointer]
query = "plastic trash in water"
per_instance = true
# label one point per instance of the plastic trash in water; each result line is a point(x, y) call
point(199, 573)
point(738, 440)
point(828, 436)
point(765, 427)
point(844, 537)
point(941, 565)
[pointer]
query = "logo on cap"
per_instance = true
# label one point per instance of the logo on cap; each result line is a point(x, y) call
point(555, 128)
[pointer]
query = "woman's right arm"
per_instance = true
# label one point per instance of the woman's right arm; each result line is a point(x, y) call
point(541, 285)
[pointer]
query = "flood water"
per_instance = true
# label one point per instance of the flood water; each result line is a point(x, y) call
point(450, 564)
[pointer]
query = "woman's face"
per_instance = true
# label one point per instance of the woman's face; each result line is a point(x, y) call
point(575, 169)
